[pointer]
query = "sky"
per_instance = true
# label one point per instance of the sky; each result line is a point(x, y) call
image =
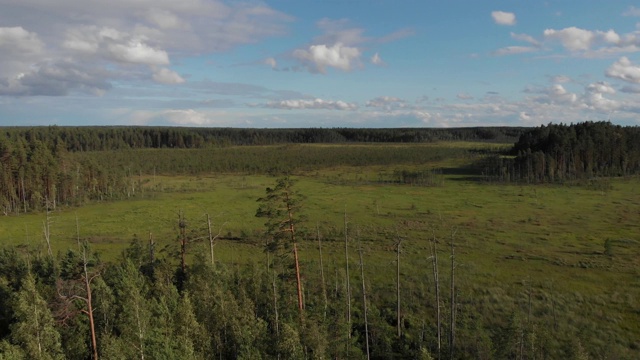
point(318, 63)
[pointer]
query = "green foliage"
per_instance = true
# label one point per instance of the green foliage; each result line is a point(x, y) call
point(560, 153)
point(33, 329)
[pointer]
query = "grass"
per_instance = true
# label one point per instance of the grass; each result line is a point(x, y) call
point(509, 238)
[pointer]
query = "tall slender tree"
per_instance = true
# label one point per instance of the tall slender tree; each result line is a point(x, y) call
point(281, 207)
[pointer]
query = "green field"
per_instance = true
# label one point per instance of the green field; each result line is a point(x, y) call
point(564, 257)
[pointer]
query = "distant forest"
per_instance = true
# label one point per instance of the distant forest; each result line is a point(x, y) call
point(560, 153)
point(43, 167)
point(116, 138)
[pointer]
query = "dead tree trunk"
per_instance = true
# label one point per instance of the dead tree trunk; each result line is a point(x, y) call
point(434, 260)
point(452, 325)
point(89, 301)
point(346, 258)
point(324, 285)
point(213, 260)
point(47, 228)
point(398, 322)
point(364, 304)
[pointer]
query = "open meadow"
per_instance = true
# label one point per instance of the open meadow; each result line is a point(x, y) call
point(561, 259)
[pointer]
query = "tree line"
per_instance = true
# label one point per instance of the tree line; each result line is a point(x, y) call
point(561, 153)
point(95, 138)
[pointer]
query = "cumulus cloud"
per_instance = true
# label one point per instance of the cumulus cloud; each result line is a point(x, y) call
point(318, 57)
point(624, 69)
point(340, 46)
point(572, 38)
point(595, 98)
point(316, 104)
point(136, 52)
point(120, 39)
point(555, 94)
point(503, 18)
point(166, 76)
point(581, 40)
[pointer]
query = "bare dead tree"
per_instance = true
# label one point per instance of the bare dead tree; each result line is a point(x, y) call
point(346, 258)
point(452, 325)
point(324, 285)
point(398, 244)
point(434, 261)
point(213, 238)
point(364, 301)
point(68, 293)
point(46, 228)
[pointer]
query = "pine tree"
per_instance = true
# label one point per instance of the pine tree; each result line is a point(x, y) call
point(34, 328)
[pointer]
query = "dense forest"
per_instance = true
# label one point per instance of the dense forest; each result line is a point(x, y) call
point(560, 153)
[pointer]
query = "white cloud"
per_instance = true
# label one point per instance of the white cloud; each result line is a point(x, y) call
point(166, 76)
point(108, 37)
point(624, 69)
point(600, 87)
point(513, 50)
point(594, 97)
point(299, 104)
point(572, 38)
point(319, 57)
point(503, 18)
point(137, 52)
point(581, 40)
point(377, 60)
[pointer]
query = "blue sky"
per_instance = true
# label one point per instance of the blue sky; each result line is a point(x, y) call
point(318, 63)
